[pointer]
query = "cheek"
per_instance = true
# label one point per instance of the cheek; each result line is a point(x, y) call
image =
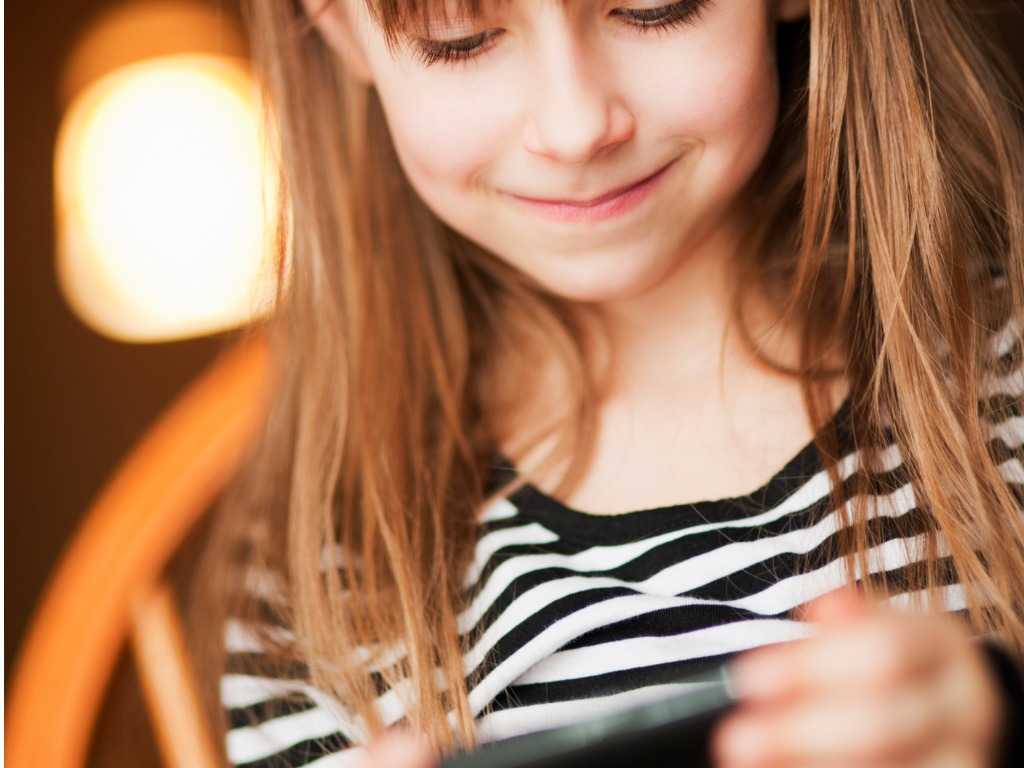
point(747, 103)
point(444, 137)
point(728, 101)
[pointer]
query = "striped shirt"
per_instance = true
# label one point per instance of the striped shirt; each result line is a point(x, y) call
point(574, 615)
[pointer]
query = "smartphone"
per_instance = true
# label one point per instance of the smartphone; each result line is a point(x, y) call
point(670, 732)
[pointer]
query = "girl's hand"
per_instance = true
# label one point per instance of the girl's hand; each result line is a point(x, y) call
point(399, 749)
point(876, 688)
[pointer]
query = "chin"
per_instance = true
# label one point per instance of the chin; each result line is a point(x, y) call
point(601, 286)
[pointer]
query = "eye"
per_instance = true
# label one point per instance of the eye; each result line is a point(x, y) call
point(431, 51)
point(665, 16)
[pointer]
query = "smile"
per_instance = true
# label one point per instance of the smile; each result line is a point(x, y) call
point(606, 206)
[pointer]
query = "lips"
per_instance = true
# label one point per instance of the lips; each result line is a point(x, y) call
point(605, 206)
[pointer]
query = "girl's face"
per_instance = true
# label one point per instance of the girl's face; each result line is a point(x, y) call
point(593, 144)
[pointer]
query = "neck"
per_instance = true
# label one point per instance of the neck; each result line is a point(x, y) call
point(684, 330)
point(690, 411)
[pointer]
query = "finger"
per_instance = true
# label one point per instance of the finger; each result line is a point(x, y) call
point(974, 698)
point(877, 653)
point(957, 758)
point(399, 749)
point(835, 608)
point(863, 731)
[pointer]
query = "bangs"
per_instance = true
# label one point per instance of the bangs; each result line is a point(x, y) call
point(397, 16)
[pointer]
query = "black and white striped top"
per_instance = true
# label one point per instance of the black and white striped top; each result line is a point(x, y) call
point(578, 615)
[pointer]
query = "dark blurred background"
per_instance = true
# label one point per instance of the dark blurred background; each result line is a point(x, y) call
point(74, 400)
point(77, 400)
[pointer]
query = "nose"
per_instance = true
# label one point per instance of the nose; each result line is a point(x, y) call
point(576, 112)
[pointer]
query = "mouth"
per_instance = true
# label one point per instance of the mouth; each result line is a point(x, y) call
point(605, 206)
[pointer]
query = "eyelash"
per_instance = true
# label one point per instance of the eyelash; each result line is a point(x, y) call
point(433, 51)
point(667, 16)
point(659, 19)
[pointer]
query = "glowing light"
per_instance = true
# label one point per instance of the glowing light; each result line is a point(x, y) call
point(162, 209)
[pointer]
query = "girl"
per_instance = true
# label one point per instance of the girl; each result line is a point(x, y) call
point(617, 333)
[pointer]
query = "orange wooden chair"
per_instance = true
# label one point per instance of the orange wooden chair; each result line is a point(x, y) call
point(108, 588)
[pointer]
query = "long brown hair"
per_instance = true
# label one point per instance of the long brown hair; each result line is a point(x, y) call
point(896, 239)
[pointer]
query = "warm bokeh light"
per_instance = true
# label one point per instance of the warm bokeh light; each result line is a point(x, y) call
point(162, 210)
